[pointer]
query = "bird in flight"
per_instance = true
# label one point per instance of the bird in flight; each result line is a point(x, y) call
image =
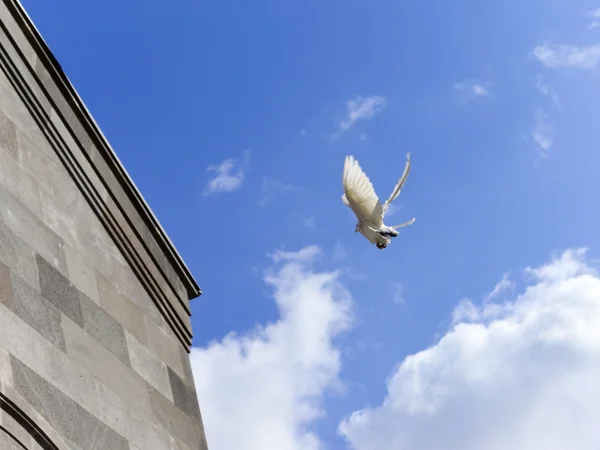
point(360, 196)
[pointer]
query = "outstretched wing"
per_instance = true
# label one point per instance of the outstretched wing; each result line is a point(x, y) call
point(399, 185)
point(360, 195)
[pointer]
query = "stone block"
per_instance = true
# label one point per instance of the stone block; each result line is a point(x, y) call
point(81, 274)
point(89, 354)
point(8, 136)
point(38, 157)
point(175, 421)
point(36, 311)
point(184, 395)
point(19, 257)
point(22, 341)
point(130, 422)
point(163, 345)
point(106, 330)
point(148, 366)
point(121, 308)
point(14, 108)
point(188, 375)
point(21, 184)
point(28, 410)
point(70, 419)
point(5, 370)
point(178, 445)
point(25, 225)
point(97, 435)
point(58, 409)
point(59, 291)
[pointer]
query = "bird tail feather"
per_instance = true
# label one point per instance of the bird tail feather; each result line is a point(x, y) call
point(405, 224)
point(399, 185)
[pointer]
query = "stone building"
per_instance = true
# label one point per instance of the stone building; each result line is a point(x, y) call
point(94, 299)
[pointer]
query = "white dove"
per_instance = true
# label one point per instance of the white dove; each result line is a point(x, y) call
point(360, 196)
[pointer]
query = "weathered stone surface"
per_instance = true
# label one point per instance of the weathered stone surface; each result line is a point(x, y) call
point(135, 426)
point(121, 308)
point(58, 289)
point(188, 375)
point(149, 367)
point(8, 136)
point(18, 256)
point(163, 345)
point(184, 395)
point(97, 435)
point(176, 422)
point(8, 442)
point(72, 421)
point(17, 432)
point(90, 288)
point(178, 445)
point(12, 106)
point(20, 183)
point(31, 230)
point(82, 274)
point(5, 370)
point(53, 405)
point(90, 355)
point(31, 348)
point(106, 330)
point(22, 408)
point(36, 311)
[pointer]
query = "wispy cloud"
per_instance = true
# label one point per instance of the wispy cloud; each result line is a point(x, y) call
point(309, 222)
point(595, 16)
point(270, 186)
point(397, 292)
point(546, 90)
point(339, 252)
point(229, 175)
point(502, 286)
point(360, 108)
point(542, 132)
point(560, 56)
point(473, 88)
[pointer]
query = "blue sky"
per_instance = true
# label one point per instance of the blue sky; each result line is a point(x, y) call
point(494, 100)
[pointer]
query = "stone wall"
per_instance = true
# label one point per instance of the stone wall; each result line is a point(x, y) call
point(93, 344)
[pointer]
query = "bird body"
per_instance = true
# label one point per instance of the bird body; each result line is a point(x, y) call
point(360, 196)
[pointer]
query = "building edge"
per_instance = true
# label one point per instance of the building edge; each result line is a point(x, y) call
point(59, 110)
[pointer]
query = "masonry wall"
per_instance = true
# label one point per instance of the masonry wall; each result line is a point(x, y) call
point(87, 359)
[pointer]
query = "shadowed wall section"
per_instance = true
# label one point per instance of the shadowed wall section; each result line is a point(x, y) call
point(94, 299)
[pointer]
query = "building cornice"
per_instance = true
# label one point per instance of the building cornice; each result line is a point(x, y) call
point(71, 130)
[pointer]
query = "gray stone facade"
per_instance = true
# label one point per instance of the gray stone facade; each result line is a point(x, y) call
point(94, 299)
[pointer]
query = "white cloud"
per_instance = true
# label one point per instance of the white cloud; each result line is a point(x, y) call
point(229, 175)
point(521, 374)
point(595, 14)
point(542, 132)
point(558, 56)
point(262, 390)
point(476, 89)
point(360, 108)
